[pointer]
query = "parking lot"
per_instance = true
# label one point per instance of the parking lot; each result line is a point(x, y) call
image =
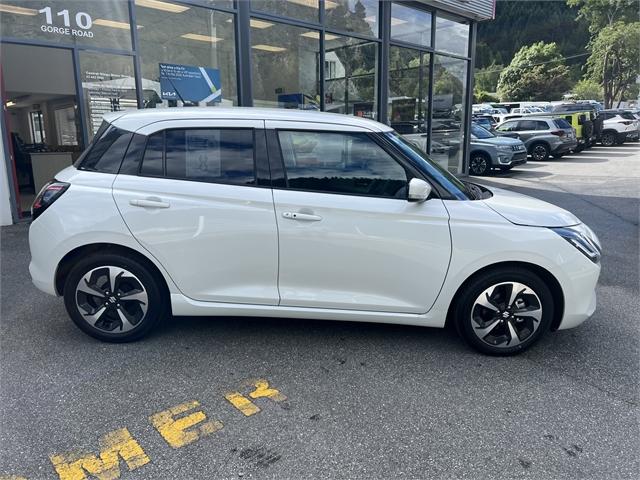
point(276, 398)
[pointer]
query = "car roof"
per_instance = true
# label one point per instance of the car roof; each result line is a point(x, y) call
point(133, 120)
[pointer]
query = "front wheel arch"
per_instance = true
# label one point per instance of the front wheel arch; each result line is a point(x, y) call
point(550, 280)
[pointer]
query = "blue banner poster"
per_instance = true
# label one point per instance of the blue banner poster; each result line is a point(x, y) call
point(189, 83)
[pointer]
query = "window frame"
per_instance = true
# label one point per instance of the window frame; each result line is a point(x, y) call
point(281, 182)
point(257, 181)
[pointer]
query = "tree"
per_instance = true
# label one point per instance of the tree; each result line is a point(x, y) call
point(487, 78)
point(614, 61)
point(602, 13)
point(480, 96)
point(537, 72)
point(587, 89)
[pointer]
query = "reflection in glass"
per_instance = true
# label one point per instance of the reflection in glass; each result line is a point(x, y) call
point(108, 84)
point(359, 16)
point(452, 36)
point(190, 36)
point(307, 10)
point(284, 61)
point(409, 94)
point(350, 78)
point(410, 25)
point(103, 24)
point(447, 129)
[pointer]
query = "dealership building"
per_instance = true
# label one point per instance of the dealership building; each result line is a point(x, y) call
point(65, 63)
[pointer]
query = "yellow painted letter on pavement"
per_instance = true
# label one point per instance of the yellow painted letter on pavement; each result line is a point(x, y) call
point(113, 446)
point(174, 430)
point(262, 390)
point(11, 477)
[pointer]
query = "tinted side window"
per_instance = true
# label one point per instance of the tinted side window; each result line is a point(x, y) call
point(152, 162)
point(561, 123)
point(211, 155)
point(348, 163)
point(527, 125)
point(507, 127)
point(106, 154)
point(541, 125)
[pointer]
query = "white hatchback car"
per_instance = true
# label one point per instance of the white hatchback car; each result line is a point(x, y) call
point(281, 213)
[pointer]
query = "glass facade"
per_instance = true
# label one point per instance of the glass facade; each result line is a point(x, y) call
point(404, 63)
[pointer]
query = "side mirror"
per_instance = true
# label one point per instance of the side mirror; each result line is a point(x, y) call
point(419, 190)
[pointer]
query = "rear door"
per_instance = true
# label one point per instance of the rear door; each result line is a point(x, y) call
point(349, 239)
point(199, 202)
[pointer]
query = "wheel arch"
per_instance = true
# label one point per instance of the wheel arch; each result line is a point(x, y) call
point(66, 263)
point(544, 274)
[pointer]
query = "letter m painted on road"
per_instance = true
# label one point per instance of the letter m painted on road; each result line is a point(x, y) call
point(114, 447)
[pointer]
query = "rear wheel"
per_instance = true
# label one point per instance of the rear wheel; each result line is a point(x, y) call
point(113, 298)
point(479, 164)
point(608, 139)
point(504, 311)
point(539, 152)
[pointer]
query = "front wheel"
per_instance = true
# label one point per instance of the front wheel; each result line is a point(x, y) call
point(479, 164)
point(504, 311)
point(113, 298)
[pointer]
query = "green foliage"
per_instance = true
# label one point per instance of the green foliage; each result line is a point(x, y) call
point(487, 78)
point(537, 72)
point(587, 90)
point(520, 23)
point(481, 96)
point(602, 13)
point(614, 60)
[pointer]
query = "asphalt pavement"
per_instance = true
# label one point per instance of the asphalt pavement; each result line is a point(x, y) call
point(224, 398)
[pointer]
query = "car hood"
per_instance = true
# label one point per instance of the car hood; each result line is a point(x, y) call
point(524, 210)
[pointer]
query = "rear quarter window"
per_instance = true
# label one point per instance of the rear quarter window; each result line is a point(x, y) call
point(106, 153)
point(561, 123)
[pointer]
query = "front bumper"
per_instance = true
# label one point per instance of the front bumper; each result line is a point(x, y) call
point(580, 294)
point(633, 135)
point(511, 158)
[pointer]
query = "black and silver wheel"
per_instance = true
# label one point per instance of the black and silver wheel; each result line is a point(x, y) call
point(479, 164)
point(539, 152)
point(113, 298)
point(608, 139)
point(504, 312)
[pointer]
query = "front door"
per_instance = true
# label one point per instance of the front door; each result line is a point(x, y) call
point(349, 239)
point(196, 207)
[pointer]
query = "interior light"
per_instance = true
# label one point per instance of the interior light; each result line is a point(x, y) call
point(112, 23)
point(255, 23)
point(268, 48)
point(201, 38)
point(18, 10)
point(164, 6)
point(316, 35)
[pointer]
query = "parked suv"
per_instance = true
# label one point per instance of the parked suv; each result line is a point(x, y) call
point(298, 214)
point(542, 136)
point(488, 151)
point(618, 127)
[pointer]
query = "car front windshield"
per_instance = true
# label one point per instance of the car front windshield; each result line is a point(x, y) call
point(480, 132)
point(432, 169)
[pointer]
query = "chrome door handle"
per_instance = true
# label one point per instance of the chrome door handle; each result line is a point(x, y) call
point(305, 217)
point(152, 202)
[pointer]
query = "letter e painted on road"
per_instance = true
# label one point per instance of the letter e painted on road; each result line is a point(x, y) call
point(114, 446)
point(177, 432)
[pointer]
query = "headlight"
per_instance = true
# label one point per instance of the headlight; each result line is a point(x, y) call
point(584, 239)
point(504, 148)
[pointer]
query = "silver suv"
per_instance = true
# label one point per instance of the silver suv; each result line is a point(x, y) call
point(542, 136)
point(489, 151)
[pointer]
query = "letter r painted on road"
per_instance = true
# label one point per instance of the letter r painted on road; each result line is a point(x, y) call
point(175, 430)
point(114, 446)
point(261, 390)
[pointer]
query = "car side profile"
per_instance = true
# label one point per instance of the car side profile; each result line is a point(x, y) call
point(542, 136)
point(281, 213)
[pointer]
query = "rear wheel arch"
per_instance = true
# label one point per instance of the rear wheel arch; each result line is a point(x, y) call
point(69, 260)
point(545, 275)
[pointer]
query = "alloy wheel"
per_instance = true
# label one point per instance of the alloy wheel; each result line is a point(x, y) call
point(506, 314)
point(539, 153)
point(111, 299)
point(608, 139)
point(478, 165)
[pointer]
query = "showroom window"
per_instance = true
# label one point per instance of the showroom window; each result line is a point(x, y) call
point(285, 66)
point(350, 76)
point(307, 10)
point(357, 16)
point(448, 119)
point(188, 58)
point(452, 36)
point(408, 112)
point(410, 25)
point(103, 24)
point(346, 163)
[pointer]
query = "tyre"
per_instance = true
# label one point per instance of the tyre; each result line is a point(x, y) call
point(539, 152)
point(479, 164)
point(608, 139)
point(503, 311)
point(114, 298)
point(620, 141)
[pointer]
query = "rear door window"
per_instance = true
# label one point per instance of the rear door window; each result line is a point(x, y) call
point(526, 125)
